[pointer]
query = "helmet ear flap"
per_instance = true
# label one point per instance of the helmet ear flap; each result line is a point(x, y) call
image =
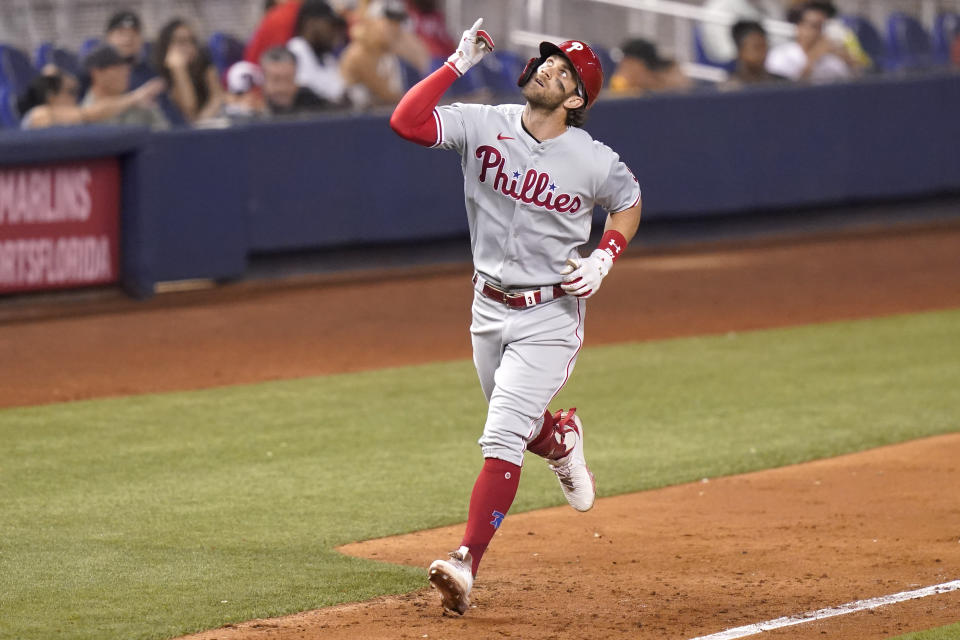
point(528, 71)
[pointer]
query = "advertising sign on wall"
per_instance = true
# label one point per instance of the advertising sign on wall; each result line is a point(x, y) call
point(59, 225)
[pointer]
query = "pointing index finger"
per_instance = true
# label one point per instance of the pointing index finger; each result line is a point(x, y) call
point(476, 26)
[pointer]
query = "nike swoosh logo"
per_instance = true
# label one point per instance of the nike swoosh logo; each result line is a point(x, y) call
point(500, 136)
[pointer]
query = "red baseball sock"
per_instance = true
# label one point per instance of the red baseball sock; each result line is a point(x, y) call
point(493, 493)
point(545, 444)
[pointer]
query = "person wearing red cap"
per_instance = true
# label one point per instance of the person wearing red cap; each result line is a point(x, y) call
point(532, 177)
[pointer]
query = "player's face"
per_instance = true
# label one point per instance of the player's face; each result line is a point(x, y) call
point(553, 84)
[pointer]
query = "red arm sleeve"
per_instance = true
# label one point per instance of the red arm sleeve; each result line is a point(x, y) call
point(413, 119)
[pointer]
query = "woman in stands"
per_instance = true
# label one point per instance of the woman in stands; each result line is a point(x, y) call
point(194, 87)
point(370, 65)
point(51, 100)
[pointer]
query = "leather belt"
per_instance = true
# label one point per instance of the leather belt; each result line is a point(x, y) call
point(521, 299)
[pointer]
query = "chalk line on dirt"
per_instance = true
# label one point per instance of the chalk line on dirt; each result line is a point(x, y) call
point(820, 614)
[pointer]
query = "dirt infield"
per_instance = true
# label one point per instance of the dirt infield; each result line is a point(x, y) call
point(691, 560)
point(675, 563)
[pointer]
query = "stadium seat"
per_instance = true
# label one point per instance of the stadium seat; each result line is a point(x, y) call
point(946, 26)
point(68, 61)
point(9, 117)
point(225, 50)
point(41, 56)
point(62, 58)
point(606, 62)
point(88, 45)
point(870, 41)
point(16, 71)
point(700, 53)
point(907, 43)
point(500, 70)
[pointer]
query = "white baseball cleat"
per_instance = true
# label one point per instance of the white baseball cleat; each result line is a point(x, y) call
point(578, 484)
point(453, 578)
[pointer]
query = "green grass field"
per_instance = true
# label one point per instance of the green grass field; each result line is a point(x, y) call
point(950, 632)
point(152, 516)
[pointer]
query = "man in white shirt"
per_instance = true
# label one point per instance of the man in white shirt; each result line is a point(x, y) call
point(319, 31)
point(812, 57)
point(716, 39)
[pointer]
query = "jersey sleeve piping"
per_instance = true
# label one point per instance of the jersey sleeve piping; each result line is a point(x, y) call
point(439, 121)
point(635, 202)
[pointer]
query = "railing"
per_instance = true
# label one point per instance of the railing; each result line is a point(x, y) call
point(523, 21)
point(27, 23)
point(521, 38)
point(683, 14)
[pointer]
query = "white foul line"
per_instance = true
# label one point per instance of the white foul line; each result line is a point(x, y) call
point(850, 607)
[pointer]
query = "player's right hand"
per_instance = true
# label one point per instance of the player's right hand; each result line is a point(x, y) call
point(474, 44)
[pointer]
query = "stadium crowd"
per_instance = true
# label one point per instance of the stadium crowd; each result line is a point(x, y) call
point(310, 56)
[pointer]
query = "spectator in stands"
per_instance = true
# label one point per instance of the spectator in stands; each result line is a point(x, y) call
point(194, 86)
point(51, 100)
point(275, 30)
point(408, 46)
point(836, 31)
point(108, 100)
point(752, 48)
point(642, 70)
point(48, 94)
point(320, 31)
point(370, 64)
point(125, 34)
point(280, 90)
point(244, 99)
point(430, 25)
point(717, 43)
point(812, 56)
point(794, 9)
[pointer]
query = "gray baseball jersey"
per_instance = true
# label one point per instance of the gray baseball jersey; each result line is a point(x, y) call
point(529, 204)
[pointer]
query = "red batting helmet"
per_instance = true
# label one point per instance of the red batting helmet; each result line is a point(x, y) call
point(581, 56)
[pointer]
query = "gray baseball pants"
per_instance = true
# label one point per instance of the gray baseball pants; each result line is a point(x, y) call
point(523, 358)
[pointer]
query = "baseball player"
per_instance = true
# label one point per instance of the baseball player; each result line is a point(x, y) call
point(531, 179)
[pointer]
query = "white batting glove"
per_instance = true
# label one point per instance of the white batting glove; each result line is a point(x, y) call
point(474, 44)
point(582, 278)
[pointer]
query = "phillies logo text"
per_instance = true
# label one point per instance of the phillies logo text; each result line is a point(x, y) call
point(535, 188)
